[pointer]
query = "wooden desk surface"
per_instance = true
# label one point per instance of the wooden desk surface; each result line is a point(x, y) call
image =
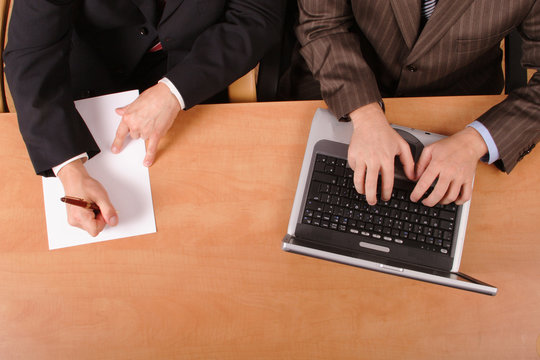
point(213, 283)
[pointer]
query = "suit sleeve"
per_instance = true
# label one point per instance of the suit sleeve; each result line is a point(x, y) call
point(331, 47)
point(227, 50)
point(37, 71)
point(514, 124)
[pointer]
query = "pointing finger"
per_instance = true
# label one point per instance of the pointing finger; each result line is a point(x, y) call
point(151, 151)
point(121, 134)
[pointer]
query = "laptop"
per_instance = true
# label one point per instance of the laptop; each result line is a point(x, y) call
point(331, 221)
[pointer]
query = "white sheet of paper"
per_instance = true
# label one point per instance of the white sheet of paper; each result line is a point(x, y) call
point(123, 175)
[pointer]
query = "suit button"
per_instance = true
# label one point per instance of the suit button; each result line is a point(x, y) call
point(528, 151)
point(143, 31)
point(412, 68)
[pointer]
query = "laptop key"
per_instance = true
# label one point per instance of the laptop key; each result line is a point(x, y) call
point(319, 166)
point(325, 178)
point(446, 225)
point(314, 205)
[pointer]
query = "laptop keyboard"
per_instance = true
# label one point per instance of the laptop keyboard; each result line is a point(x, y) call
point(334, 203)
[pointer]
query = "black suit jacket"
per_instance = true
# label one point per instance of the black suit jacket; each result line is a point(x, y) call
point(59, 49)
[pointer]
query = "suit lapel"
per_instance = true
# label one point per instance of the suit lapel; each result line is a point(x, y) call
point(407, 14)
point(446, 13)
point(148, 9)
point(170, 7)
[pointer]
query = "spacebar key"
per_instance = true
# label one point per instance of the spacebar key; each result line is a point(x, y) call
point(371, 246)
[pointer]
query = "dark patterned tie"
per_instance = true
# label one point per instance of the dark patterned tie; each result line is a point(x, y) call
point(428, 6)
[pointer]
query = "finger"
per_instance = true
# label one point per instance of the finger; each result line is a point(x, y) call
point(359, 178)
point(151, 150)
point(438, 192)
point(121, 134)
point(387, 180)
point(466, 193)
point(98, 225)
point(406, 159)
point(134, 135)
point(85, 219)
point(351, 160)
point(372, 175)
point(425, 181)
point(452, 193)
point(423, 162)
point(107, 210)
point(121, 110)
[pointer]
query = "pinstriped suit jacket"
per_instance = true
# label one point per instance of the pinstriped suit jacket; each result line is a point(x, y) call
point(360, 50)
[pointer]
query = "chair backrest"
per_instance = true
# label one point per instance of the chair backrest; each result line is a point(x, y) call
point(5, 6)
point(261, 84)
point(515, 74)
point(7, 100)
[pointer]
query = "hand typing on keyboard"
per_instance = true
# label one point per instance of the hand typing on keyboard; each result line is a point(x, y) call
point(373, 148)
point(452, 162)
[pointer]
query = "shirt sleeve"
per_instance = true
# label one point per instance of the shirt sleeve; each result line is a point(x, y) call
point(56, 169)
point(174, 91)
point(493, 152)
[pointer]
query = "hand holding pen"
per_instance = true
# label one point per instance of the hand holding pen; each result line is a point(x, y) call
point(84, 194)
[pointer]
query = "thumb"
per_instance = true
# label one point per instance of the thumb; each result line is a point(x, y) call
point(121, 110)
point(405, 156)
point(107, 210)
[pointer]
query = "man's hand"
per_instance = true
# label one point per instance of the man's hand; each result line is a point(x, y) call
point(374, 145)
point(78, 183)
point(452, 161)
point(149, 117)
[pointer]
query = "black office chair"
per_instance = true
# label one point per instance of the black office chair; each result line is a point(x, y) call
point(277, 60)
point(261, 83)
point(515, 74)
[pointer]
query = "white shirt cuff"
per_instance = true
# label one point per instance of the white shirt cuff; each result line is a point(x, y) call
point(57, 168)
point(493, 152)
point(174, 91)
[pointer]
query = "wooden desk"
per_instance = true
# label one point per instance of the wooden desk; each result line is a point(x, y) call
point(213, 283)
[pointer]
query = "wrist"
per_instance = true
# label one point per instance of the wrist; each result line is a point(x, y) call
point(475, 142)
point(368, 113)
point(173, 91)
point(74, 169)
